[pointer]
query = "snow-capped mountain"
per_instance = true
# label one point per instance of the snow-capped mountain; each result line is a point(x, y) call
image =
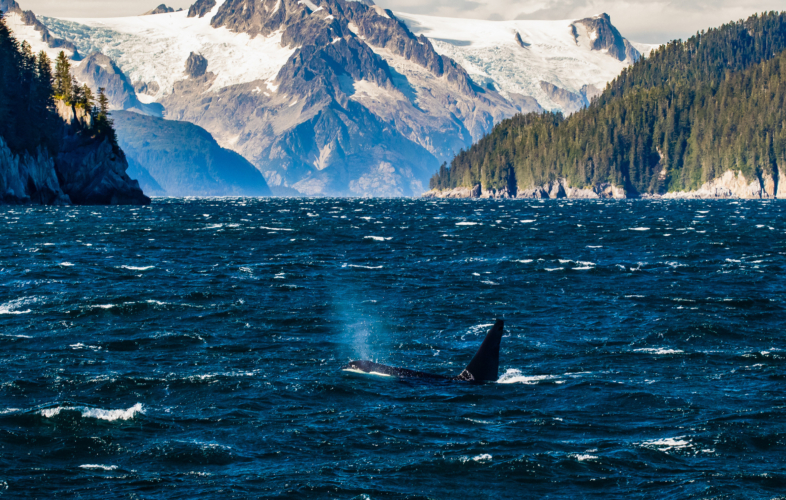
point(537, 59)
point(335, 97)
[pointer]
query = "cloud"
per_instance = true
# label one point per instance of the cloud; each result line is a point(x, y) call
point(651, 21)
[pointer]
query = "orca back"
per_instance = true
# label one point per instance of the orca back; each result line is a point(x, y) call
point(484, 367)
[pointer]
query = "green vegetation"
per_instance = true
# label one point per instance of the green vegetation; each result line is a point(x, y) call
point(28, 90)
point(673, 121)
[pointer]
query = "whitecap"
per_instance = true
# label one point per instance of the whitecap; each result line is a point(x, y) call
point(513, 376)
point(528, 221)
point(364, 267)
point(667, 444)
point(468, 224)
point(66, 264)
point(14, 306)
point(659, 350)
point(482, 458)
point(525, 261)
point(582, 458)
point(639, 229)
point(102, 467)
point(97, 413)
point(275, 228)
point(555, 269)
point(133, 268)
point(377, 238)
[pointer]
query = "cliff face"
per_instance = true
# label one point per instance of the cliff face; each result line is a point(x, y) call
point(731, 185)
point(29, 178)
point(86, 170)
point(558, 189)
point(734, 185)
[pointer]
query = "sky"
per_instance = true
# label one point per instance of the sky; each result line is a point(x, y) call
point(651, 21)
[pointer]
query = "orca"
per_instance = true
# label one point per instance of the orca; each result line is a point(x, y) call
point(484, 367)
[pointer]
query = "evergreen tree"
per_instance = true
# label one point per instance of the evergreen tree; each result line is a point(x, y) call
point(63, 81)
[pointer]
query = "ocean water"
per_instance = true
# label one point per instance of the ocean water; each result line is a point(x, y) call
point(192, 349)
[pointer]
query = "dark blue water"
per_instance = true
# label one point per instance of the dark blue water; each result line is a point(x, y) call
point(193, 349)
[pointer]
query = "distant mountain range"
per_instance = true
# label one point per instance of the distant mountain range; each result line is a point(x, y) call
point(335, 97)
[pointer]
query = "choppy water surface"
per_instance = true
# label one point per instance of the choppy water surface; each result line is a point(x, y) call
point(192, 350)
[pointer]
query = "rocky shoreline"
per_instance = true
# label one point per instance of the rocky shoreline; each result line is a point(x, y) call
point(731, 185)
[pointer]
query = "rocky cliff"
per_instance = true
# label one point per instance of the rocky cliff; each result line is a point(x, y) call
point(557, 189)
point(731, 185)
point(87, 170)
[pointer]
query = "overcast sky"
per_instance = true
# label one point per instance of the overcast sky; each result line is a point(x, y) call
point(651, 21)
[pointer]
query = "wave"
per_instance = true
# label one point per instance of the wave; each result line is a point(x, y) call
point(659, 350)
point(513, 376)
point(101, 467)
point(14, 307)
point(377, 238)
point(133, 268)
point(97, 413)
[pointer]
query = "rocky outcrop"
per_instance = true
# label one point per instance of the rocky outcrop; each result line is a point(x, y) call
point(201, 8)
point(91, 169)
point(161, 9)
point(196, 65)
point(568, 101)
point(734, 185)
point(601, 35)
point(552, 190)
point(87, 170)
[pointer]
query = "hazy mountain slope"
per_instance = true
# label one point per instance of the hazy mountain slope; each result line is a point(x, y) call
point(182, 159)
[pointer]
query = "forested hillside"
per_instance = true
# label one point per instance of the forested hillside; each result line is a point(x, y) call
point(671, 122)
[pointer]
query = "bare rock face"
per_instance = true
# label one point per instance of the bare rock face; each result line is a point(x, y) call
point(600, 34)
point(568, 101)
point(196, 65)
point(733, 185)
point(201, 8)
point(557, 189)
point(29, 178)
point(150, 88)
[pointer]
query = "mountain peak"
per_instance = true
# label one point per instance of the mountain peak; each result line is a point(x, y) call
point(599, 34)
point(161, 9)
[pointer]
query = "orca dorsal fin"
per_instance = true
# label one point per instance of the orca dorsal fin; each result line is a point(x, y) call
point(484, 367)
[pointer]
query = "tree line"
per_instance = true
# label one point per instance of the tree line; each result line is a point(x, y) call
point(674, 120)
point(28, 91)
